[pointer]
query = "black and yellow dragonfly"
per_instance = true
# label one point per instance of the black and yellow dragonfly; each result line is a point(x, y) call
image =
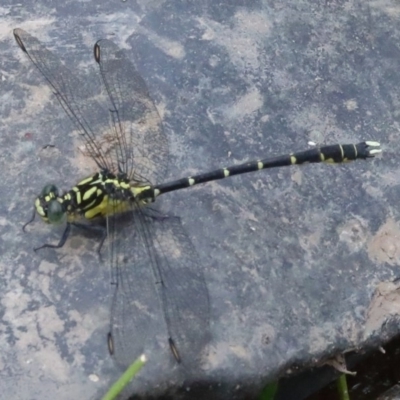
point(130, 149)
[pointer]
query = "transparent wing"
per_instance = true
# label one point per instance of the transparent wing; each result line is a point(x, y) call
point(74, 95)
point(160, 290)
point(141, 149)
point(183, 290)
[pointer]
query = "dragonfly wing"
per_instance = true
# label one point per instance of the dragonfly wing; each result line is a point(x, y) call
point(158, 274)
point(142, 148)
point(75, 96)
point(183, 291)
point(134, 309)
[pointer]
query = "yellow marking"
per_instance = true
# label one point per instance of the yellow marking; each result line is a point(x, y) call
point(97, 182)
point(85, 181)
point(78, 197)
point(88, 194)
point(40, 211)
point(226, 172)
point(342, 152)
point(138, 189)
point(191, 181)
point(88, 206)
point(293, 160)
point(375, 151)
point(156, 192)
point(114, 182)
point(76, 189)
point(92, 212)
point(372, 143)
point(99, 192)
point(260, 165)
point(125, 185)
point(49, 197)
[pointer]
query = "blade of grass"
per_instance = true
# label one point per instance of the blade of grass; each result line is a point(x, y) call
point(268, 393)
point(125, 378)
point(342, 387)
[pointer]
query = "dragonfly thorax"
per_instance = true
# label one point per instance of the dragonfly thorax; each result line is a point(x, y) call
point(99, 195)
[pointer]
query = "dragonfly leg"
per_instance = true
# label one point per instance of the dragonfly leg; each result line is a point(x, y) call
point(31, 220)
point(60, 244)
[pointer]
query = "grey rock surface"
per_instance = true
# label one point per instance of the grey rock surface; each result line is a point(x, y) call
point(300, 262)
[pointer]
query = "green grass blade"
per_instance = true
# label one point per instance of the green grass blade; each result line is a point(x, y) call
point(269, 391)
point(125, 378)
point(342, 387)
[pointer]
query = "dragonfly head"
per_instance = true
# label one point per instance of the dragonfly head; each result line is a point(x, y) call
point(49, 205)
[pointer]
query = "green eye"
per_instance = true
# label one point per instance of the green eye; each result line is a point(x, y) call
point(55, 212)
point(48, 189)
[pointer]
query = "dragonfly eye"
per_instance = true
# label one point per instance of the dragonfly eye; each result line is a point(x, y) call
point(49, 189)
point(55, 212)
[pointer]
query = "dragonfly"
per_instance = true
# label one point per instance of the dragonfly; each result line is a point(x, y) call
point(149, 254)
point(129, 146)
